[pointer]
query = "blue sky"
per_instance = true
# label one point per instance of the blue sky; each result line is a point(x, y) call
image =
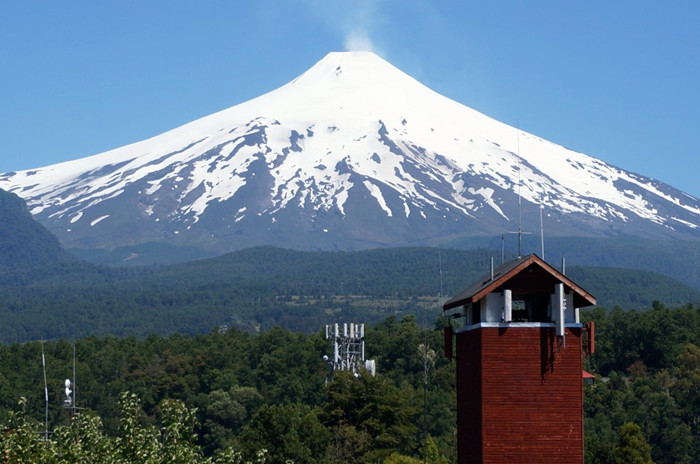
point(616, 80)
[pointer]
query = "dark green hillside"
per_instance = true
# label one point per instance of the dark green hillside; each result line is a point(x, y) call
point(380, 272)
point(253, 289)
point(141, 254)
point(632, 289)
point(48, 294)
point(24, 243)
point(260, 288)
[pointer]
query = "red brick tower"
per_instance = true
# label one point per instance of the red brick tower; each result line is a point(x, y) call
point(519, 366)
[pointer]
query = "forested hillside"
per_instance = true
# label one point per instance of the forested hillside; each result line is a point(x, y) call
point(261, 288)
point(247, 393)
point(47, 294)
point(24, 243)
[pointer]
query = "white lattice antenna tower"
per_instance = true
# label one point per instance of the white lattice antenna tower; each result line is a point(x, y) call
point(348, 349)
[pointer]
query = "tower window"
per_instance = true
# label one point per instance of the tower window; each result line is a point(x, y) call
point(531, 308)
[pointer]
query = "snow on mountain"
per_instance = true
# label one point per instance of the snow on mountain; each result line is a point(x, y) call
point(351, 154)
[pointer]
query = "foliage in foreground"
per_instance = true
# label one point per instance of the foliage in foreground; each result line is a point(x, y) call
point(293, 431)
point(254, 392)
point(84, 440)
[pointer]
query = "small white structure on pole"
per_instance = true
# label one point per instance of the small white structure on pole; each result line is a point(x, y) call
point(68, 401)
point(348, 341)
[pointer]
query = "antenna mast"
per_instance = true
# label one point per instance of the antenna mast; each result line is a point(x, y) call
point(520, 208)
point(75, 388)
point(440, 265)
point(46, 394)
point(520, 198)
point(70, 402)
point(519, 232)
point(542, 230)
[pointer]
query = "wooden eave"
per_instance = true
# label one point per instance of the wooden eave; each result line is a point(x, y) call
point(509, 270)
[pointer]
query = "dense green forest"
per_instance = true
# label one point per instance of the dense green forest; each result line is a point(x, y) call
point(230, 394)
point(261, 288)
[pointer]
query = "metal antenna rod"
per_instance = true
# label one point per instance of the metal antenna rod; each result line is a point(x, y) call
point(520, 204)
point(75, 388)
point(440, 265)
point(46, 394)
point(425, 387)
point(519, 232)
point(542, 230)
point(503, 249)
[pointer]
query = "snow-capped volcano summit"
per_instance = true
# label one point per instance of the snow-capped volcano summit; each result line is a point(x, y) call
point(351, 154)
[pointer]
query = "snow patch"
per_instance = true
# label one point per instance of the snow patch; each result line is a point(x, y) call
point(76, 217)
point(487, 194)
point(99, 219)
point(377, 194)
point(686, 223)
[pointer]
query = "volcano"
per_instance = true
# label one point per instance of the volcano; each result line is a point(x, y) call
point(352, 154)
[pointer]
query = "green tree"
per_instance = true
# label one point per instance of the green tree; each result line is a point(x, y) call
point(84, 441)
point(22, 439)
point(396, 458)
point(226, 412)
point(348, 445)
point(177, 434)
point(136, 444)
point(632, 447)
point(375, 408)
point(686, 392)
point(288, 432)
point(431, 454)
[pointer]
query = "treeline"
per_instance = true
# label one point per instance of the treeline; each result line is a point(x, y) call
point(649, 374)
point(245, 393)
point(265, 287)
point(251, 393)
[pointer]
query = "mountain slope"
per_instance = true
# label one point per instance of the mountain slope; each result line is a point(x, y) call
point(351, 154)
point(24, 243)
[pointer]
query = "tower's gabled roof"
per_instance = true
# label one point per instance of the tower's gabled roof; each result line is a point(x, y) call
point(541, 276)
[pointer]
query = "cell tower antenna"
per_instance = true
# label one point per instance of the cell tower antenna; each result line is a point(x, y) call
point(348, 342)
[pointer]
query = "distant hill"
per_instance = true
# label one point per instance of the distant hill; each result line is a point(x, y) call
point(47, 293)
point(258, 288)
